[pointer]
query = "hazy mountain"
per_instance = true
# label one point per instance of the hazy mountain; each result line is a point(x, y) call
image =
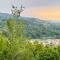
point(35, 28)
point(35, 20)
point(4, 15)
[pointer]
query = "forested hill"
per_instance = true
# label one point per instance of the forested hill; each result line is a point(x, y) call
point(34, 27)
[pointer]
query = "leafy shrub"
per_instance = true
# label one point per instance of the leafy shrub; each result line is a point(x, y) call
point(15, 47)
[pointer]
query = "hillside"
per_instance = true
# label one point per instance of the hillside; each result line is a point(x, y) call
point(34, 27)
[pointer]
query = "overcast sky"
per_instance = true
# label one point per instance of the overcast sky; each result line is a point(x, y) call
point(5, 6)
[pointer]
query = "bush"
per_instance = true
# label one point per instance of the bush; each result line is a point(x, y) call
point(14, 47)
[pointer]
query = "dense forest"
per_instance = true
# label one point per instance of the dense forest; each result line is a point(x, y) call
point(35, 28)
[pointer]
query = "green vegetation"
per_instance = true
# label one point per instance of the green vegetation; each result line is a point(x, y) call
point(15, 46)
point(35, 28)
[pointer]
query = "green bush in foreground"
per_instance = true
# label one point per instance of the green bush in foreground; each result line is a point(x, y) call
point(17, 47)
point(27, 51)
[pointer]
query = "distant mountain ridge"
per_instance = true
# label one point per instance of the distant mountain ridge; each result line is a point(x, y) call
point(35, 27)
point(6, 15)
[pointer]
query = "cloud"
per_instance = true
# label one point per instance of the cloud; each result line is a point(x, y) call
point(49, 13)
point(32, 3)
point(29, 3)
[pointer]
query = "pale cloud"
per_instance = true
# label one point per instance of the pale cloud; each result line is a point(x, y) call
point(40, 3)
point(6, 4)
point(49, 13)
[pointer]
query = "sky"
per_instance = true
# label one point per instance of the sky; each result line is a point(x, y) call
point(42, 9)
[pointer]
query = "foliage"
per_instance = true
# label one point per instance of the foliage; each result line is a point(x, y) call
point(18, 47)
point(34, 28)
